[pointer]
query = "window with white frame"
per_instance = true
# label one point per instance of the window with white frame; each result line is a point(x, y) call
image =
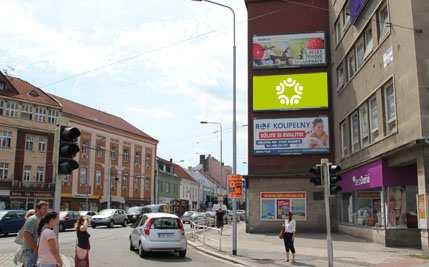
point(138, 158)
point(345, 138)
point(29, 142)
point(27, 173)
point(40, 114)
point(27, 111)
point(52, 116)
point(383, 21)
point(351, 63)
point(346, 14)
point(5, 139)
point(338, 30)
point(42, 144)
point(83, 179)
point(369, 43)
point(340, 76)
point(113, 153)
point(389, 107)
point(364, 125)
point(373, 115)
point(354, 123)
point(10, 109)
point(126, 154)
point(98, 177)
point(40, 175)
point(4, 170)
point(85, 150)
point(67, 178)
point(100, 152)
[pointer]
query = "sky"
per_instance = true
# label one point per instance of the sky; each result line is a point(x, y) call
point(163, 65)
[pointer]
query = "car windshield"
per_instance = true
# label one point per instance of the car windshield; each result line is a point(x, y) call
point(165, 223)
point(106, 212)
point(135, 210)
point(188, 213)
point(2, 213)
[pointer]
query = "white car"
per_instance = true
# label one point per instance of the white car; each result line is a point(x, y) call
point(159, 232)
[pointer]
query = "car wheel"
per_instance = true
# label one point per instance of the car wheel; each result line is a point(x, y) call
point(61, 227)
point(142, 253)
point(124, 224)
point(111, 224)
point(182, 253)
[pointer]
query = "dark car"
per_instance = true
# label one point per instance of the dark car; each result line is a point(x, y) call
point(11, 221)
point(134, 213)
point(68, 220)
point(155, 208)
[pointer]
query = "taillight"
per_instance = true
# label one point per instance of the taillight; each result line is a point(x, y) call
point(147, 227)
point(181, 227)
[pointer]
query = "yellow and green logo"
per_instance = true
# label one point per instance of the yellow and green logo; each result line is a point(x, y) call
point(295, 91)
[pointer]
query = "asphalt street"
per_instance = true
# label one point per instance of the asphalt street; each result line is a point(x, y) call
point(110, 247)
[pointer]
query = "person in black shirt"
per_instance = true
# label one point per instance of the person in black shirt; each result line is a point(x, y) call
point(83, 246)
point(220, 213)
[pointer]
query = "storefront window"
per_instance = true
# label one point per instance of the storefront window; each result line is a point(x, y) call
point(362, 208)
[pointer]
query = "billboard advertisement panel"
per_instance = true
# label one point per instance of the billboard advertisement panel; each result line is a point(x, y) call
point(288, 92)
point(291, 136)
point(275, 206)
point(289, 50)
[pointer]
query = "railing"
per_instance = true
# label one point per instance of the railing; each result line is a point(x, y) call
point(5, 184)
point(33, 186)
point(199, 231)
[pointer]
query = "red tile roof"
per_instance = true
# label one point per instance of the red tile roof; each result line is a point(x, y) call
point(98, 116)
point(24, 89)
point(181, 173)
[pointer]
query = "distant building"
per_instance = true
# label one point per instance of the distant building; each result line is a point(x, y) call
point(189, 188)
point(28, 123)
point(168, 183)
point(212, 168)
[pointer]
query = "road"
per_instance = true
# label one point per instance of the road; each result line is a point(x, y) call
point(110, 247)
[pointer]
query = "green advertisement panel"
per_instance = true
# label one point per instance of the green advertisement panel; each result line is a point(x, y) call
point(295, 91)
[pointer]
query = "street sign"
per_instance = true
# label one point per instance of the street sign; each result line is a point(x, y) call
point(235, 186)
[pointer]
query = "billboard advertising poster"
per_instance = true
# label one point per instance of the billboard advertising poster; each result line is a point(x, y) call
point(396, 207)
point(291, 136)
point(275, 206)
point(289, 50)
point(288, 92)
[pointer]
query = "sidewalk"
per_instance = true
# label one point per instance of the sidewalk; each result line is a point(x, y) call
point(268, 250)
point(6, 260)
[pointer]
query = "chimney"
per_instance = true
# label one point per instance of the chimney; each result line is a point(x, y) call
point(171, 160)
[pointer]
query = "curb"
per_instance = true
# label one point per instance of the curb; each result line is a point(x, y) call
point(218, 255)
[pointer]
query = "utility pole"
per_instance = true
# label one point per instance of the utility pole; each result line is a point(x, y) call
point(325, 166)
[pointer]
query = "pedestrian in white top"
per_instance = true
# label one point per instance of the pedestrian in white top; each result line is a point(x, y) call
point(289, 236)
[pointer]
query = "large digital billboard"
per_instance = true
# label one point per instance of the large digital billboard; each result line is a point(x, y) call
point(295, 91)
point(289, 50)
point(291, 136)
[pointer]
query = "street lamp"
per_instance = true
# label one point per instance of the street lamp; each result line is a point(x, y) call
point(234, 124)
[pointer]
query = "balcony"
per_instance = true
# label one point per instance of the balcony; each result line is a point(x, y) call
point(5, 184)
point(33, 186)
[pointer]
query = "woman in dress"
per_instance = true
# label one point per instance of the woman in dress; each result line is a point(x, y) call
point(82, 248)
point(48, 252)
point(289, 236)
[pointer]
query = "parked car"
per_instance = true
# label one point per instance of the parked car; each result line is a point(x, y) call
point(11, 221)
point(88, 214)
point(241, 214)
point(202, 218)
point(67, 220)
point(159, 232)
point(155, 208)
point(186, 218)
point(109, 218)
point(134, 213)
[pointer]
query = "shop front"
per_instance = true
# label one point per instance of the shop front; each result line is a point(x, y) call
point(78, 202)
point(4, 199)
point(25, 200)
point(378, 202)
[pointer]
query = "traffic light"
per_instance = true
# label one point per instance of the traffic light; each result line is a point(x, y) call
point(334, 179)
point(316, 178)
point(68, 149)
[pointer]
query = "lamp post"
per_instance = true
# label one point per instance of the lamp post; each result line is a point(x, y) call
point(234, 125)
point(221, 134)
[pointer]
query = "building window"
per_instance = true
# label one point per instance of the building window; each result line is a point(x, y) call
point(27, 112)
point(125, 180)
point(345, 138)
point(98, 177)
point(5, 139)
point(360, 52)
point(338, 30)
point(83, 179)
point(29, 141)
point(146, 184)
point(340, 76)
point(10, 109)
point(354, 121)
point(40, 176)
point(42, 144)
point(138, 158)
point(369, 44)
point(373, 115)
point(126, 155)
point(2, 85)
point(390, 107)
point(113, 154)
point(27, 173)
point(67, 178)
point(2, 106)
point(85, 150)
point(364, 125)
point(4, 170)
point(383, 21)
point(40, 114)
point(136, 183)
point(52, 116)
point(100, 152)
point(351, 62)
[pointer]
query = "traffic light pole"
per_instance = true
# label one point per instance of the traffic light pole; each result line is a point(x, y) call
point(324, 165)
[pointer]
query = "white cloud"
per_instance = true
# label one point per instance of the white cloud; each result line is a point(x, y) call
point(154, 113)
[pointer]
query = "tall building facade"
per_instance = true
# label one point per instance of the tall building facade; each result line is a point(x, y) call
point(381, 118)
point(288, 112)
point(112, 151)
point(28, 123)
